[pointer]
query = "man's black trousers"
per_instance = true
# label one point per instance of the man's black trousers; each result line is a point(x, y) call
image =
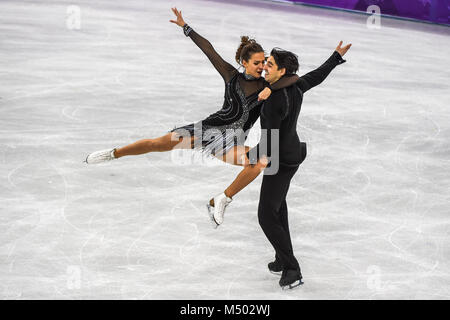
point(273, 214)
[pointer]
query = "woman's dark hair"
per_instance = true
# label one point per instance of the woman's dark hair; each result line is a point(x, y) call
point(285, 59)
point(247, 48)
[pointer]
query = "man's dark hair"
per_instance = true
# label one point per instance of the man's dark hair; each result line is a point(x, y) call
point(285, 59)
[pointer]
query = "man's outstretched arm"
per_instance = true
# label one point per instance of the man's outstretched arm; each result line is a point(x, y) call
point(318, 75)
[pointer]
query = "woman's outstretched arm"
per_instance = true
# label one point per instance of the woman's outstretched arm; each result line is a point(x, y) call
point(226, 70)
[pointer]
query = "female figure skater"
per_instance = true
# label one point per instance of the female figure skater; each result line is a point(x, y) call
point(223, 133)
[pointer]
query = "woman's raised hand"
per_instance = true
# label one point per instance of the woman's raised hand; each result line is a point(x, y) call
point(179, 20)
point(263, 95)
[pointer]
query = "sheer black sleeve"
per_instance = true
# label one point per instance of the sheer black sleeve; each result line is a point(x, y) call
point(317, 76)
point(226, 70)
point(284, 81)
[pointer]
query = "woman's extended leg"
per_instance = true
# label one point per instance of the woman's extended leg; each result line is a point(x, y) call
point(167, 142)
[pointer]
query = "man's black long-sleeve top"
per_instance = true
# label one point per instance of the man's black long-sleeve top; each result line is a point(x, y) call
point(281, 112)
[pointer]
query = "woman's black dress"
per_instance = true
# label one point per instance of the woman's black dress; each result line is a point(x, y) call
point(229, 126)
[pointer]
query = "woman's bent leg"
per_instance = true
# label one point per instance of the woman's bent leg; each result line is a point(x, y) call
point(167, 142)
point(245, 177)
point(237, 156)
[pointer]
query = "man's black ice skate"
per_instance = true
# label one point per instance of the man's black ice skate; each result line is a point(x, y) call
point(275, 267)
point(290, 279)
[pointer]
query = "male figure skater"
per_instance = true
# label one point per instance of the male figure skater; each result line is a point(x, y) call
point(280, 113)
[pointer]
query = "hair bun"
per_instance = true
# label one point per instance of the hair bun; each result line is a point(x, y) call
point(245, 40)
point(246, 48)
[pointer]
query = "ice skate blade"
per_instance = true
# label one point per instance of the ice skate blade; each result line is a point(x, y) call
point(292, 285)
point(211, 216)
point(276, 273)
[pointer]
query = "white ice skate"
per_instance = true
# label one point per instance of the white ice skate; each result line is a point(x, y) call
point(210, 209)
point(217, 211)
point(100, 156)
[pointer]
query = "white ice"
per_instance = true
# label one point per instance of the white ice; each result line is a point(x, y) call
point(368, 210)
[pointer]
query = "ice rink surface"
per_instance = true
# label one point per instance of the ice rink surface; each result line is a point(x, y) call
point(369, 208)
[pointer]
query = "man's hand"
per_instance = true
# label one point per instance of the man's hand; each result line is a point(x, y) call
point(343, 50)
point(179, 20)
point(263, 95)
